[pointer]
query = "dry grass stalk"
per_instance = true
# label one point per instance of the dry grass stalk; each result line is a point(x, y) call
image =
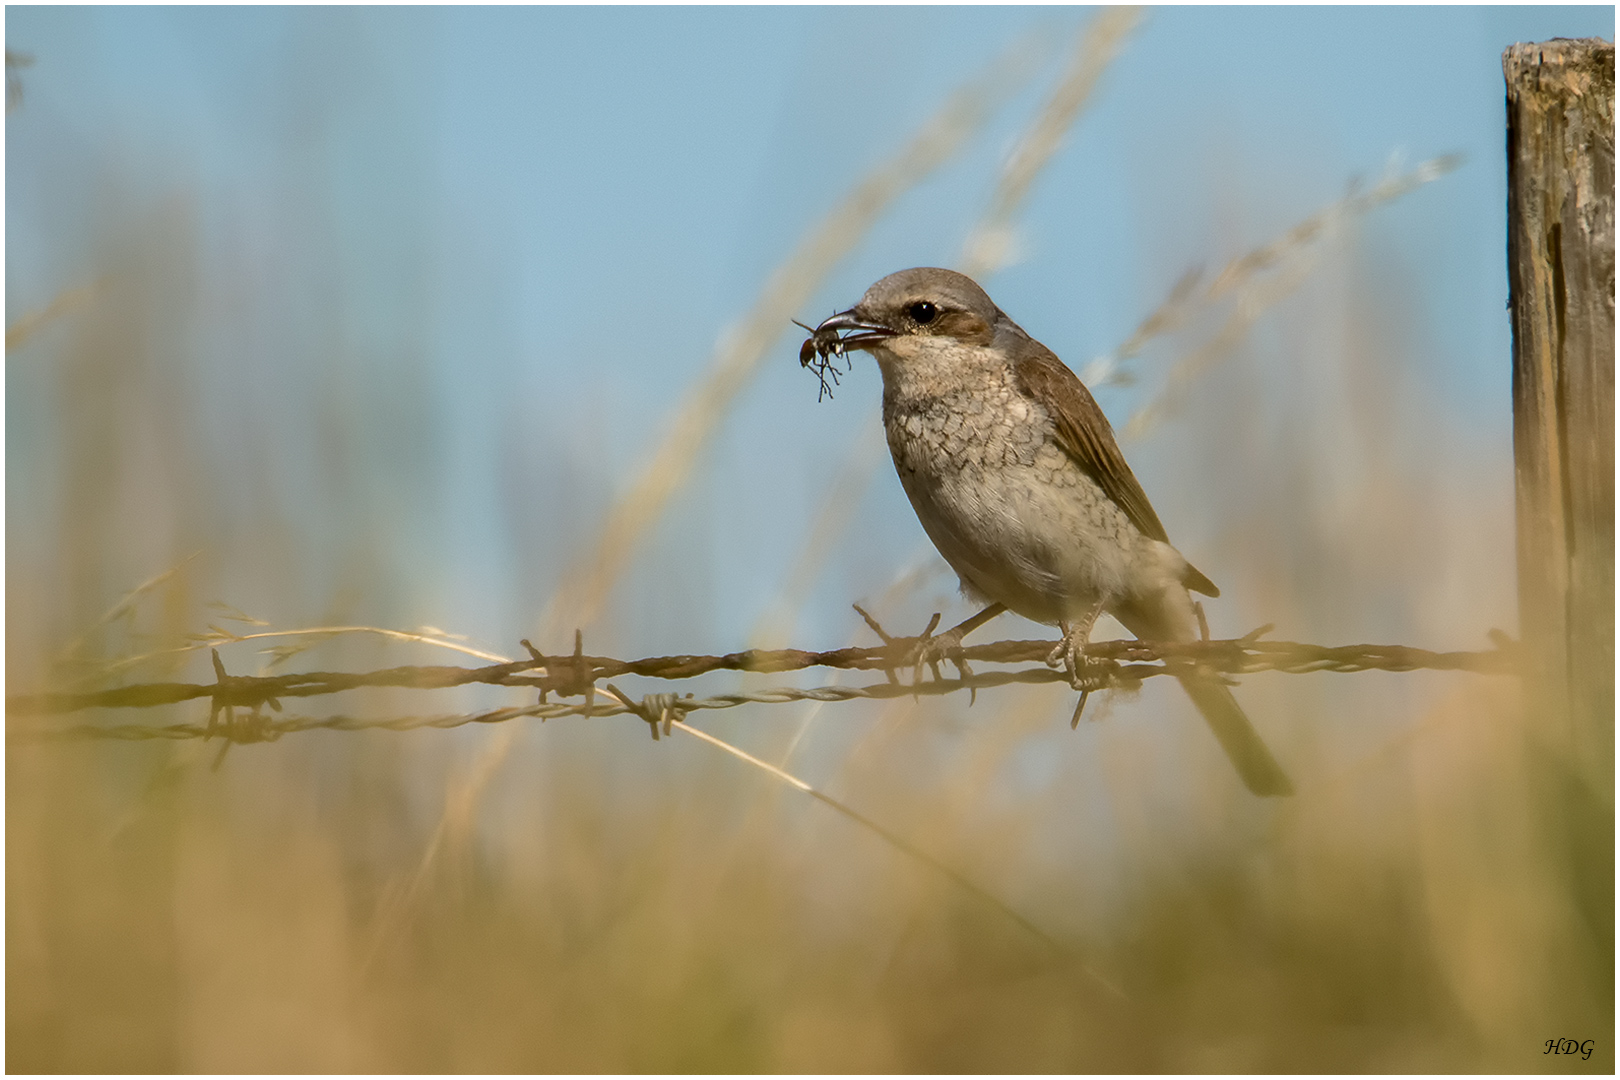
point(126, 605)
point(216, 635)
point(1251, 303)
point(30, 322)
point(1185, 298)
point(990, 246)
point(893, 839)
point(461, 804)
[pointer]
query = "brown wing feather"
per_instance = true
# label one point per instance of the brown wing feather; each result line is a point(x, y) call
point(1084, 433)
point(1086, 436)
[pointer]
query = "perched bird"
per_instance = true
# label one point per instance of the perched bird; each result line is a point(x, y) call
point(1016, 477)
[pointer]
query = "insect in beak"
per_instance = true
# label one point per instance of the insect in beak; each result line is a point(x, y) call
point(819, 348)
point(821, 344)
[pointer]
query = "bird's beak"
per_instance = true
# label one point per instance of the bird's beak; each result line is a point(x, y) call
point(859, 333)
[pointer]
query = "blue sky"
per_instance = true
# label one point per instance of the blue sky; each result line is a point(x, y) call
point(494, 246)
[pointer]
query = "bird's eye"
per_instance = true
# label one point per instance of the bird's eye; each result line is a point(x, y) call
point(922, 312)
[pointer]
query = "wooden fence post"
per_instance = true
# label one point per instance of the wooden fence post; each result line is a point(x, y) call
point(1560, 151)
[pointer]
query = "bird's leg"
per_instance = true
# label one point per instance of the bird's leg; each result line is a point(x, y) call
point(931, 649)
point(1070, 654)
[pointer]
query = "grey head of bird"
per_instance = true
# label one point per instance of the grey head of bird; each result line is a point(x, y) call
point(921, 303)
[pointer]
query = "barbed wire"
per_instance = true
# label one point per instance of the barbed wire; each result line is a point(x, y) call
point(1117, 664)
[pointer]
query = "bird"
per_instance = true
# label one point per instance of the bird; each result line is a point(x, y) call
point(1017, 478)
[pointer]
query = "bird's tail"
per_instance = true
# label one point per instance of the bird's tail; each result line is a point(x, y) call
point(1249, 753)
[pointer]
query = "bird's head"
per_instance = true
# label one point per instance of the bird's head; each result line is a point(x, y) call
point(922, 303)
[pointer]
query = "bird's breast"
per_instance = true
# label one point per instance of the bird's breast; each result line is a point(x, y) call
point(1007, 508)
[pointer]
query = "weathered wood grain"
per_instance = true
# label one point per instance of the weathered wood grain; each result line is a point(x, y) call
point(1560, 148)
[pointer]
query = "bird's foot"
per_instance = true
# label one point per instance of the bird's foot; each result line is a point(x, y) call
point(1086, 673)
point(927, 649)
point(932, 648)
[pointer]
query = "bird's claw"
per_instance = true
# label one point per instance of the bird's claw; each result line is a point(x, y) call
point(1086, 673)
point(925, 650)
point(889, 640)
point(1079, 707)
point(931, 649)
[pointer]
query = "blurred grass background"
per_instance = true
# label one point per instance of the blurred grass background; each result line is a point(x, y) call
point(372, 316)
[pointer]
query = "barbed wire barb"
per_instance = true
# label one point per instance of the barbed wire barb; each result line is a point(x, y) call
point(576, 675)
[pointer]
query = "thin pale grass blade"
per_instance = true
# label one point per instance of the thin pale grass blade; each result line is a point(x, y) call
point(1327, 222)
point(218, 636)
point(1251, 304)
point(786, 292)
point(990, 245)
point(461, 802)
point(30, 322)
point(1170, 313)
point(235, 614)
point(900, 844)
point(125, 604)
point(1185, 299)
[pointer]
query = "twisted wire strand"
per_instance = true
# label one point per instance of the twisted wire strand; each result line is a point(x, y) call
point(1124, 663)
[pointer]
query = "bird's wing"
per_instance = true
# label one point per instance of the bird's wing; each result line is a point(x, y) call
point(1085, 435)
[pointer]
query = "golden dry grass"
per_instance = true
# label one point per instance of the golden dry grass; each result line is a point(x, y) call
point(615, 904)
